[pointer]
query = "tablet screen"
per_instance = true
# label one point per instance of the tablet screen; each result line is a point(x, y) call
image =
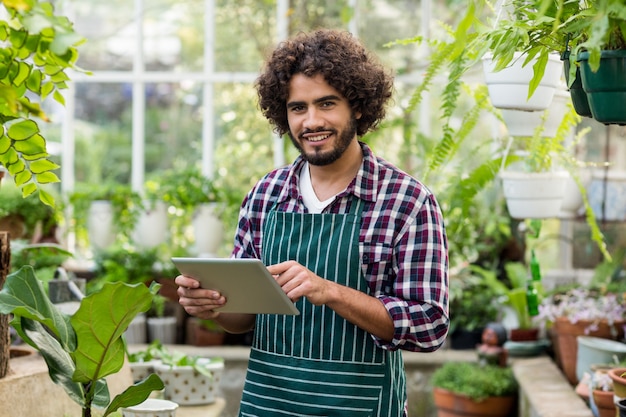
point(245, 282)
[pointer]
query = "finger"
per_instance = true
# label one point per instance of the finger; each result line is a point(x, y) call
point(187, 282)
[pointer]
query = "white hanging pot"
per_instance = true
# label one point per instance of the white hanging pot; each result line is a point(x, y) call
point(151, 228)
point(508, 88)
point(531, 195)
point(573, 198)
point(523, 123)
point(208, 230)
point(100, 228)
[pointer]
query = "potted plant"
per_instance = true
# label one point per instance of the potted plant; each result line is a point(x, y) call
point(162, 324)
point(199, 202)
point(105, 213)
point(467, 388)
point(578, 312)
point(600, 50)
point(472, 307)
point(82, 349)
point(601, 398)
point(188, 379)
point(204, 332)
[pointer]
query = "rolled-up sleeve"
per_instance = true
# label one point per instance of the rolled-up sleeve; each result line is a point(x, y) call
point(410, 277)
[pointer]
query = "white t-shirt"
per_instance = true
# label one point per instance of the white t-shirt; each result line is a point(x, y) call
point(312, 203)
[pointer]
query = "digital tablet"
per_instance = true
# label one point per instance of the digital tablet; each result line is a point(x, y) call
point(245, 282)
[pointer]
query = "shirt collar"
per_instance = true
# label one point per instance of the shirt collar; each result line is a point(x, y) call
point(364, 186)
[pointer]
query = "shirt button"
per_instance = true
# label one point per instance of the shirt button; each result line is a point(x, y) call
point(366, 258)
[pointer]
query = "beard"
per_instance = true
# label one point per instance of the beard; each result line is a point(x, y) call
point(320, 157)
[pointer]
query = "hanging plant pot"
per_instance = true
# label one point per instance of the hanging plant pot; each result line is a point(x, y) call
point(100, 224)
point(533, 195)
point(606, 88)
point(523, 123)
point(508, 88)
point(573, 199)
point(577, 93)
point(151, 228)
point(208, 230)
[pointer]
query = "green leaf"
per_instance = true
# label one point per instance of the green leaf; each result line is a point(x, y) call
point(60, 364)
point(42, 165)
point(100, 323)
point(35, 145)
point(22, 74)
point(22, 177)
point(5, 144)
point(23, 295)
point(46, 197)
point(23, 130)
point(28, 189)
point(16, 167)
point(34, 81)
point(47, 178)
point(136, 393)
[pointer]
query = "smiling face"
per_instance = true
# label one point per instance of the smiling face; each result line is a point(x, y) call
point(321, 123)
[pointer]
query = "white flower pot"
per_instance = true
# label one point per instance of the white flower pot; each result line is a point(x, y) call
point(163, 329)
point(151, 407)
point(597, 351)
point(533, 195)
point(508, 88)
point(136, 332)
point(186, 386)
point(141, 370)
point(100, 226)
point(573, 199)
point(208, 230)
point(523, 123)
point(151, 228)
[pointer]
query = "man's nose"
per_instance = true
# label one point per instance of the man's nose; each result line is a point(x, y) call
point(313, 119)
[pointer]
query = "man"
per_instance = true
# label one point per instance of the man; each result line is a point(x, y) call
point(357, 244)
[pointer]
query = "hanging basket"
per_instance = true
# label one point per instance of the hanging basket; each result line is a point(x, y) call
point(606, 88)
point(533, 195)
point(508, 88)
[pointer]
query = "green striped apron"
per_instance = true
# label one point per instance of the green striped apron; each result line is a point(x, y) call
point(317, 363)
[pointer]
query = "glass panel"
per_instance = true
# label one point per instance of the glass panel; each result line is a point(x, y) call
point(244, 148)
point(174, 35)
point(108, 28)
point(173, 125)
point(243, 32)
point(103, 130)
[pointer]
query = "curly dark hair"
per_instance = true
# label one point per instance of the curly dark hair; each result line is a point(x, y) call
point(345, 65)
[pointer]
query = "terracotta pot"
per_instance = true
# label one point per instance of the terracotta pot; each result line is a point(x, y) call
point(450, 404)
point(619, 382)
point(524, 335)
point(564, 335)
point(604, 403)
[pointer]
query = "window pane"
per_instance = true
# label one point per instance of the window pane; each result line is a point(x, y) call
point(173, 35)
point(108, 28)
point(173, 125)
point(103, 131)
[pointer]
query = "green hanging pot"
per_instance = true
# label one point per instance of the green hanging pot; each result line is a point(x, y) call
point(579, 97)
point(606, 88)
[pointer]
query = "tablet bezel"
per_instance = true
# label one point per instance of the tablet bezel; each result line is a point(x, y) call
point(245, 282)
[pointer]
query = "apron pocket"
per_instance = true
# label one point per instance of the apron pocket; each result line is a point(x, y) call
point(307, 387)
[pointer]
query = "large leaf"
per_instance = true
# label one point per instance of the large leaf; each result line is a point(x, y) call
point(60, 365)
point(100, 323)
point(136, 393)
point(23, 295)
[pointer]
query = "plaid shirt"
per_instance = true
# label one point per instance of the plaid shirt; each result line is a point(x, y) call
point(402, 244)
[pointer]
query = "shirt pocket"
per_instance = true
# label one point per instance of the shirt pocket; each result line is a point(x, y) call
point(377, 266)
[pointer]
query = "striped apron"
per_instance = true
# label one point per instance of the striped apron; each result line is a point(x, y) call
point(317, 363)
